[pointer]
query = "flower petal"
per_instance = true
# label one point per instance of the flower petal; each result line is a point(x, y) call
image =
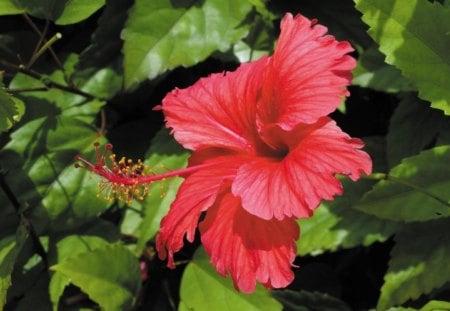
point(249, 248)
point(306, 76)
point(218, 110)
point(197, 193)
point(295, 185)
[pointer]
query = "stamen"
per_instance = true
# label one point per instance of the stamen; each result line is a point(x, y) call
point(120, 178)
point(125, 179)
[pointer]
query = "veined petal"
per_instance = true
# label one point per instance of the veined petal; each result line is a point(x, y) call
point(295, 185)
point(249, 248)
point(218, 110)
point(197, 193)
point(306, 76)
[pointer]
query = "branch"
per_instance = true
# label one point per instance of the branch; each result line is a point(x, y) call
point(48, 83)
point(42, 39)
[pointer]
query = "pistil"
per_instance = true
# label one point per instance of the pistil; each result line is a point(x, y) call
point(125, 179)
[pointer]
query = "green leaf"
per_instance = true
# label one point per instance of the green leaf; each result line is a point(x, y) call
point(202, 288)
point(336, 225)
point(106, 43)
point(8, 7)
point(419, 262)
point(77, 10)
point(372, 72)
point(62, 12)
point(40, 158)
point(419, 191)
point(101, 84)
point(164, 154)
point(414, 36)
point(308, 301)
point(58, 284)
point(161, 34)
point(70, 247)
point(413, 127)
point(436, 305)
point(10, 248)
point(110, 276)
point(11, 110)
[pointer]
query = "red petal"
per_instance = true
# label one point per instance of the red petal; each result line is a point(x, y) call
point(306, 76)
point(218, 110)
point(249, 248)
point(295, 185)
point(197, 193)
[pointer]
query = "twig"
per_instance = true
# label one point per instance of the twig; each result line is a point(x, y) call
point(50, 49)
point(41, 37)
point(23, 90)
point(48, 83)
point(44, 48)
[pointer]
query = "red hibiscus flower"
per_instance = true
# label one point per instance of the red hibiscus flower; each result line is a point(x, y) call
point(269, 154)
point(264, 154)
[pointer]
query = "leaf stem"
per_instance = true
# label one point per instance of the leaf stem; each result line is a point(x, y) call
point(383, 176)
point(50, 49)
point(44, 48)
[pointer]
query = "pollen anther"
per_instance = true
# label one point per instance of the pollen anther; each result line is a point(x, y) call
point(120, 178)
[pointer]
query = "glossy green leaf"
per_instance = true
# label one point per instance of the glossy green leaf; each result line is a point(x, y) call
point(372, 72)
point(419, 192)
point(110, 276)
point(413, 127)
point(202, 288)
point(436, 305)
point(413, 34)
point(62, 12)
point(77, 10)
point(106, 44)
point(161, 34)
point(11, 110)
point(67, 248)
point(100, 85)
point(164, 154)
point(308, 301)
point(336, 225)
point(40, 159)
point(419, 262)
point(10, 247)
point(8, 7)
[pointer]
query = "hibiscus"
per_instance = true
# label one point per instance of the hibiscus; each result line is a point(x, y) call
point(264, 153)
point(269, 152)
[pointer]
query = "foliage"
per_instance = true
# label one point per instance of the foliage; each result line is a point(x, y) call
point(382, 244)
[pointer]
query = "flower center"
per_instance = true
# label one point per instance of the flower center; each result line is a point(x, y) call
point(281, 152)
